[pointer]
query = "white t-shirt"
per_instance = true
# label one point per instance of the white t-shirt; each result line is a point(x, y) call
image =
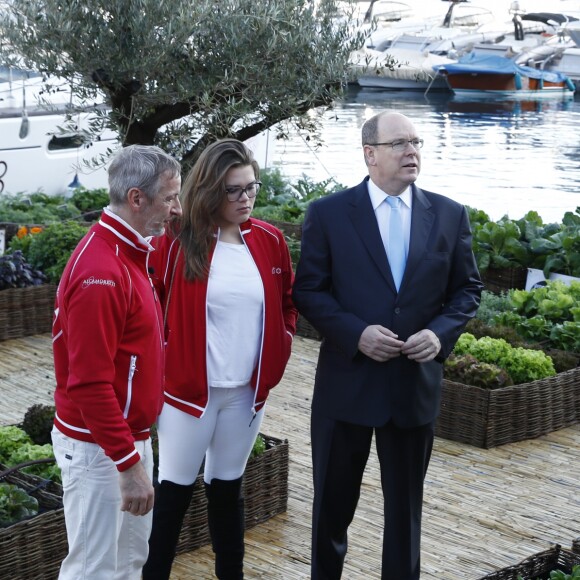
point(235, 304)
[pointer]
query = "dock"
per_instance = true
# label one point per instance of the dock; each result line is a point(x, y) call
point(484, 509)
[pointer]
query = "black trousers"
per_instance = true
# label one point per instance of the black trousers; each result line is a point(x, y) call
point(340, 452)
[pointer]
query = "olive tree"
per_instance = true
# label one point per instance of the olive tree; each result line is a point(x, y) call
point(181, 73)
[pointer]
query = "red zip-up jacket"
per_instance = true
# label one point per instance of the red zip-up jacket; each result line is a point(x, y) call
point(108, 342)
point(186, 383)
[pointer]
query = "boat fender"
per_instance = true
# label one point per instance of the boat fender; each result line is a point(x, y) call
point(570, 84)
point(518, 81)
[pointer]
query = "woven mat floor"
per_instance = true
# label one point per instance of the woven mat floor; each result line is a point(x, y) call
point(484, 509)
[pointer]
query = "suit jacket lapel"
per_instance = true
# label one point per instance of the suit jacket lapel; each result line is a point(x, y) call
point(365, 224)
point(422, 218)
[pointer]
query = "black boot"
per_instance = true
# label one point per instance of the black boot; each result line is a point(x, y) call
point(171, 503)
point(225, 517)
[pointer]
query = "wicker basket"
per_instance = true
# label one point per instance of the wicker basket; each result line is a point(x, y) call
point(26, 311)
point(538, 566)
point(265, 489)
point(502, 279)
point(10, 230)
point(488, 418)
point(305, 329)
point(34, 547)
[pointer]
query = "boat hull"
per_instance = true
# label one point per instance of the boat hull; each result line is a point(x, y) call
point(506, 86)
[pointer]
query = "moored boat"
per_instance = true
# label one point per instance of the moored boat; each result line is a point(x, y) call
point(500, 77)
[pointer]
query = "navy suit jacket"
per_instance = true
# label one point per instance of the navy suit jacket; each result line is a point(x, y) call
point(344, 283)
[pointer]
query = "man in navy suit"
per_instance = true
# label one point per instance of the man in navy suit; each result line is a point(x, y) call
point(384, 339)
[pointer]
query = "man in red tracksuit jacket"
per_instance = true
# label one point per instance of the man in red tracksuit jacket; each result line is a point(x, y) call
point(109, 364)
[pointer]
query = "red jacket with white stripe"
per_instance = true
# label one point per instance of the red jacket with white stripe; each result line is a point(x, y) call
point(108, 342)
point(186, 383)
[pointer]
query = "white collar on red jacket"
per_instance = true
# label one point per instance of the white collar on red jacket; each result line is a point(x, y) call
point(124, 231)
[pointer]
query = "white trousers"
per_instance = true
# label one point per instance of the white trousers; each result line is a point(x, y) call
point(225, 435)
point(104, 542)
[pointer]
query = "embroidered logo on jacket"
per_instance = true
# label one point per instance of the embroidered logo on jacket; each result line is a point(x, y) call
point(276, 270)
point(99, 281)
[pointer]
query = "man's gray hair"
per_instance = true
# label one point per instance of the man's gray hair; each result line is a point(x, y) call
point(370, 129)
point(140, 166)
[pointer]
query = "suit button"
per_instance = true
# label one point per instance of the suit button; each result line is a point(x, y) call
point(397, 310)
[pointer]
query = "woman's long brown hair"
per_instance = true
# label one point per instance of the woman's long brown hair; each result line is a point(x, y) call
point(203, 192)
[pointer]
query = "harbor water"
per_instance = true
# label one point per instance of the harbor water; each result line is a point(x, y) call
point(500, 157)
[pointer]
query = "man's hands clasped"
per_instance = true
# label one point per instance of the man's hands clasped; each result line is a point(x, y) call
point(381, 344)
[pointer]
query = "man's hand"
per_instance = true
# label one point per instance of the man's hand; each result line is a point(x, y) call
point(136, 490)
point(422, 346)
point(379, 343)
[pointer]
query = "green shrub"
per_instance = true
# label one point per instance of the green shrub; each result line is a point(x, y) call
point(284, 201)
point(88, 201)
point(51, 249)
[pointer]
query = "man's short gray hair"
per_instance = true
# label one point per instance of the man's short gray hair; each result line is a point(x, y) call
point(140, 166)
point(370, 129)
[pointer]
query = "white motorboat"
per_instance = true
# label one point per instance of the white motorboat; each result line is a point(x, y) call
point(35, 153)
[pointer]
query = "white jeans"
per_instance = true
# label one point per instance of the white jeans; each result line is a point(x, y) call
point(225, 435)
point(104, 542)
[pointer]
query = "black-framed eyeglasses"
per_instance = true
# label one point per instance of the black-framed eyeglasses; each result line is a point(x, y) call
point(235, 193)
point(401, 144)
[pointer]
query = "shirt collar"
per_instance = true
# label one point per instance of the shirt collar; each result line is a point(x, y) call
point(132, 236)
point(377, 195)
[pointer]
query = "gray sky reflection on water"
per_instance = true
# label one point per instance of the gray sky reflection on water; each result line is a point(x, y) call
point(500, 157)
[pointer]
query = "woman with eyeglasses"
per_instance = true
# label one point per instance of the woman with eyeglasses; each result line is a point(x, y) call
point(225, 280)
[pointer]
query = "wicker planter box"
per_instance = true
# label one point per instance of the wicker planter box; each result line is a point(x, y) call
point(26, 311)
point(35, 547)
point(488, 418)
point(305, 329)
point(265, 488)
point(502, 279)
point(538, 566)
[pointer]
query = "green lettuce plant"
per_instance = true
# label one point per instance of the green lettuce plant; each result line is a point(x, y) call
point(561, 248)
point(15, 504)
point(522, 365)
point(548, 314)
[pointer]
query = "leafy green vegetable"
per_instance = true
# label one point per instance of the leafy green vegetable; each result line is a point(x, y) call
point(522, 364)
point(559, 575)
point(468, 370)
point(15, 504)
point(550, 313)
point(259, 446)
point(38, 421)
point(11, 438)
point(31, 452)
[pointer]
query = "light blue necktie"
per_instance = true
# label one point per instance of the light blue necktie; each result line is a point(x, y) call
point(396, 247)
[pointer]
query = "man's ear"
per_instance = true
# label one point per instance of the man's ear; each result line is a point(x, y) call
point(135, 198)
point(369, 153)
